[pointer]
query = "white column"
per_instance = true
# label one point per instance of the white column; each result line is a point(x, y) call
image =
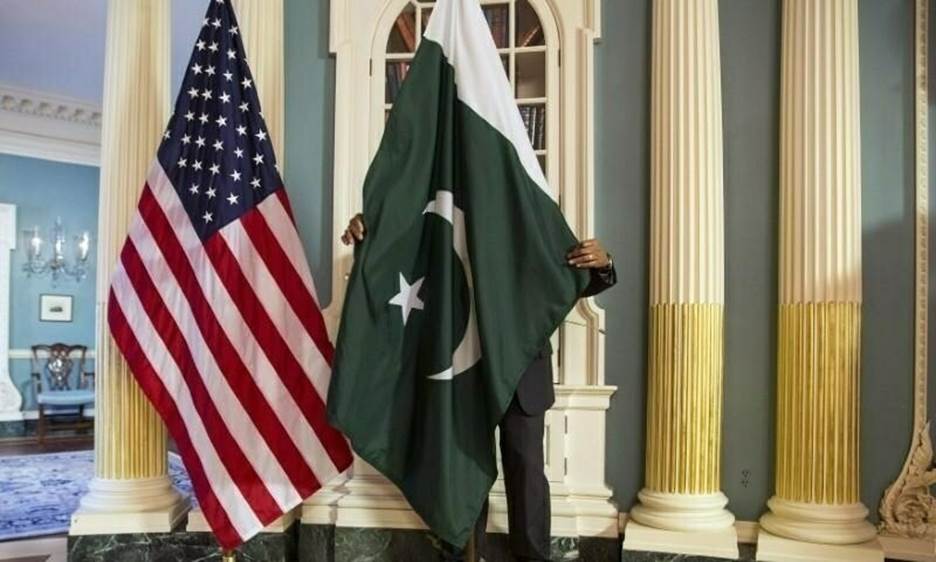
point(131, 491)
point(817, 498)
point(682, 508)
point(10, 398)
point(261, 23)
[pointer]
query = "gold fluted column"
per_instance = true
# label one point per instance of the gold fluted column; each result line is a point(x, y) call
point(131, 490)
point(261, 23)
point(818, 365)
point(684, 401)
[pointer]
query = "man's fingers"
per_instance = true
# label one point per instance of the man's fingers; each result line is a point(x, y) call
point(582, 259)
point(357, 228)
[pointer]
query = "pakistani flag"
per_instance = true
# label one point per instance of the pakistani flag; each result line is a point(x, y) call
point(459, 283)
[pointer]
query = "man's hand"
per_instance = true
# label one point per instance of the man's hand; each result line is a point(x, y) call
point(589, 254)
point(355, 231)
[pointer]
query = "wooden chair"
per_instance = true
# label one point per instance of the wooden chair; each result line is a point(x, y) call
point(59, 398)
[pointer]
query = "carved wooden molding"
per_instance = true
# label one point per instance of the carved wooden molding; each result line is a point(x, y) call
point(39, 125)
point(908, 508)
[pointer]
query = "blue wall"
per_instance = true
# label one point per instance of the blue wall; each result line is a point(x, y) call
point(42, 191)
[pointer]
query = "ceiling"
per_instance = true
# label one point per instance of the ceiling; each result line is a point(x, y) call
point(57, 46)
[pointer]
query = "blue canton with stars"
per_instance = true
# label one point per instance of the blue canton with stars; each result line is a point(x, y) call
point(217, 151)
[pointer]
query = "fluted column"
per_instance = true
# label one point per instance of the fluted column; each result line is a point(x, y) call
point(261, 23)
point(131, 490)
point(818, 378)
point(687, 295)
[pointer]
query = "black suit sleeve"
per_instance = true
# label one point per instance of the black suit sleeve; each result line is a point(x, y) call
point(601, 280)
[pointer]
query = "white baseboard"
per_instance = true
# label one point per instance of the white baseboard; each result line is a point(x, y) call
point(56, 548)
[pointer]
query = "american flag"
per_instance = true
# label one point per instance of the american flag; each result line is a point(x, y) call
point(213, 306)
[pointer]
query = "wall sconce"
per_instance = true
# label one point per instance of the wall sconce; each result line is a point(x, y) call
point(57, 265)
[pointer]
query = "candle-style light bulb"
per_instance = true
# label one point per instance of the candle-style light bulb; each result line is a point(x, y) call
point(84, 246)
point(35, 244)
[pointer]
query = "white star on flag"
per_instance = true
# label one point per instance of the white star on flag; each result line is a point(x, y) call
point(235, 175)
point(207, 216)
point(255, 183)
point(261, 136)
point(211, 193)
point(258, 159)
point(239, 152)
point(408, 297)
point(232, 199)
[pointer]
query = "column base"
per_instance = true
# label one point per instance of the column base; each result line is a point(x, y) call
point(146, 505)
point(818, 523)
point(771, 548)
point(682, 512)
point(721, 543)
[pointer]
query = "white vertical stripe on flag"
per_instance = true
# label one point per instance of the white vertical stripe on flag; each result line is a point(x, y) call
point(237, 508)
point(240, 335)
point(236, 419)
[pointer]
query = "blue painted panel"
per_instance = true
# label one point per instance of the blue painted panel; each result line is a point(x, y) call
point(42, 191)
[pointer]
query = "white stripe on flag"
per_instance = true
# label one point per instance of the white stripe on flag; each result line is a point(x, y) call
point(236, 419)
point(239, 512)
point(460, 29)
point(281, 225)
point(281, 313)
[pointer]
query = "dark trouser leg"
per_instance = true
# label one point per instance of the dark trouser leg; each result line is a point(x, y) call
point(528, 513)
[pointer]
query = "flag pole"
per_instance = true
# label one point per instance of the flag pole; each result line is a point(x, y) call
point(228, 556)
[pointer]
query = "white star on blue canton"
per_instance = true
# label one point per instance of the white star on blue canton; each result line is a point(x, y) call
point(221, 121)
point(207, 94)
point(193, 92)
point(197, 165)
point(196, 68)
point(210, 71)
point(239, 152)
point(225, 98)
point(215, 169)
point(200, 141)
point(194, 189)
point(219, 145)
point(216, 23)
point(186, 139)
point(232, 199)
point(213, 47)
point(231, 54)
point(235, 175)
point(244, 106)
point(241, 130)
point(246, 83)
point(258, 159)
point(233, 30)
point(228, 76)
point(189, 116)
point(200, 45)
point(207, 216)
point(183, 163)
point(255, 183)
point(203, 118)
point(261, 136)
point(211, 193)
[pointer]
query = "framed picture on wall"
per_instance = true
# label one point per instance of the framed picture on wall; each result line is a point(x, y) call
point(55, 308)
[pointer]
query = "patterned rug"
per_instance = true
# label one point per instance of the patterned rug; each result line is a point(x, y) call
point(38, 493)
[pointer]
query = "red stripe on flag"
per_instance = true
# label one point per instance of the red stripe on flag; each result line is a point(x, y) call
point(281, 357)
point(289, 281)
point(284, 201)
point(235, 461)
point(228, 360)
point(153, 388)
